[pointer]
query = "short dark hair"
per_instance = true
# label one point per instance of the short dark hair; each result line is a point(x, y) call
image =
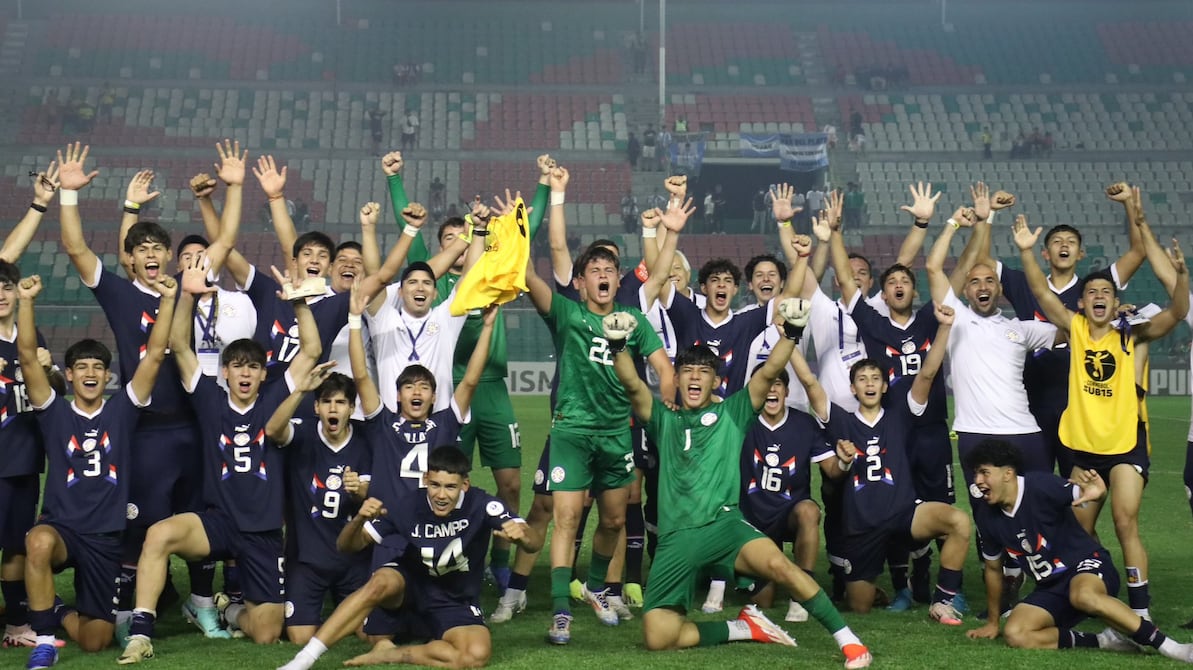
point(10, 273)
point(350, 244)
point(699, 355)
point(1103, 274)
point(313, 238)
point(605, 242)
point(591, 255)
point(863, 364)
point(449, 459)
point(415, 373)
point(86, 349)
point(244, 351)
point(450, 222)
point(752, 264)
point(782, 376)
point(189, 240)
point(718, 266)
point(416, 266)
point(897, 267)
point(1062, 228)
point(336, 382)
point(869, 265)
point(999, 453)
point(145, 231)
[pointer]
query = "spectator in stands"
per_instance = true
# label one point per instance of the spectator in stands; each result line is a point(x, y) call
point(376, 129)
point(649, 140)
point(987, 141)
point(760, 209)
point(710, 213)
point(638, 53)
point(633, 150)
point(802, 218)
point(1046, 144)
point(52, 110)
point(855, 123)
point(830, 132)
point(438, 198)
point(629, 212)
point(1019, 147)
point(663, 151)
point(409, 129)
point(855, 202)
point(814, 202)
point(681, 124)
point(107, 99)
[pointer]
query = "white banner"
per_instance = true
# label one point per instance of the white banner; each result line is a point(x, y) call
point(526, 378)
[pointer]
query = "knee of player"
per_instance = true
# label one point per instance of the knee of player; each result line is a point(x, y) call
point(658, 640)
point(807, 515)
point(475, 655)
point(300, 635)
point(382, 586)
point(1017, 635)
point(39, 545)
point(267, 634)
point(613, 521)
point(959, 523)
point(1126, 523)
point(159, 537)
point(94, 643)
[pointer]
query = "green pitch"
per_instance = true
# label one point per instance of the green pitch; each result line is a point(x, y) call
point(909, 640)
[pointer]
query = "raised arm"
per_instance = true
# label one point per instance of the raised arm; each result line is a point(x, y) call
point(831, 219)
point(139, 193)
point(44, 185)
point(801, 250)
point(673, 220)
point(159, 341)
point(310, 346)
point(791, 317)
point(935, 359)
point(817, 397)
point(231, 172)
point(561, 256)
point(538, 206)
point(353, 537)
point(278, 427)
point(273, 183)
point(1128, 264)
point(617, 329)
point(37, 383)
point(541, 294)
point(977, 250)
point(391, 165)
point(476, 362)
point(1054, 310)
point(72, 179)
point(1163, 323)
point(782, 197)
point(372, 287)
point(370, 249)
point(922, 207)
point(938, 281)
point(841, 267)
point(471, 243)
point(194, 282)
point(366, 388)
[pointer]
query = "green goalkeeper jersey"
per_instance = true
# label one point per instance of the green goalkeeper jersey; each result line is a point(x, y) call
point(591, 399)
point(699, 455)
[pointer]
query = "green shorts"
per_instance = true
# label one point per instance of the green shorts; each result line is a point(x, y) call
point(494, 425)
point(685, 555)
point(583, 461)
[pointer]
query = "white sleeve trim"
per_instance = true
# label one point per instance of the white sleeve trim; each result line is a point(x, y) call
point(189, 385)
point(466, 417)
point(1114, 275)
point(128, 388)
point(368, 528)
point(99, 273)
point(993, 558)
point(248, 281)
point(46, 405)
point(285, 442)
point(824, 457)
point(290, 384)
point(375, 412)
point(916, 408)
point(998, 269)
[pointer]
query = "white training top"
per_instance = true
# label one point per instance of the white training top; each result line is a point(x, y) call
point(838, 345)
point(760, 347)
point(987, 355)
point(400, 339)
point(225, 316)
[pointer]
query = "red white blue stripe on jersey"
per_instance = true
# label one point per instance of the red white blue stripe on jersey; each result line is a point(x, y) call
point(4, 416)
point(316, 484)
point(71, 480)
point(147, 320)
point(4, 382)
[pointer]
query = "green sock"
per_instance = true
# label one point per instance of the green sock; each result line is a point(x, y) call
point(597, 571)
point(498, 557)
point(822, 609)
point(560, 597)
point(712, 632)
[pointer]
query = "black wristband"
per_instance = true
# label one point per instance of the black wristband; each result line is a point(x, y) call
point(36, 207)
point(482, 232)
point(616, 346)
point(792, 331)
point(921, 223)
point(130, 210)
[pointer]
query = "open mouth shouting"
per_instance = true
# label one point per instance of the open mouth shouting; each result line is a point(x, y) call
point(692, 393)
point(603, 290)
point(1100, 309)
point(720, 300)
point(984, 298)
point(313, 271)
point(773, 402)
point(766, 291)
point(152, 269)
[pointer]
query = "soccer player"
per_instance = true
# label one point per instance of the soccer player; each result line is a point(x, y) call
point(881, 508)
point(590, 436)
point(777, 458)
point(221, 317)
point(20, 484)
point(1029, 516)
point(87, 481)
point(700, 524)
point(167, 481)
point(243, 475)
point(1101, 427)
point(430, 546)
point(326, 461)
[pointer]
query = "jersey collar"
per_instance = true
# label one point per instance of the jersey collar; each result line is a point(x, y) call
point(335, 448)
point(881, 413)
point(92, 415)
point(459, 503)
point(1066, 287)
point(782, 422)
point(1018, 498)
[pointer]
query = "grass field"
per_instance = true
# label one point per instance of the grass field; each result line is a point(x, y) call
point(908, 640)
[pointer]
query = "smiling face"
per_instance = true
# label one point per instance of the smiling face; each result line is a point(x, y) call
point(982, 290)
point(347, 267)
point(444, 490)
point(696, 384)
point(148, 258)
point(765, 281)
point(998, 485)
point(334, 411)
point(1062, 250)
point(868, 385)
point(447, 235)
point(679, 275)
point(720, 289)
point(8, 300)
point(244, 380)
point(88, 377)
point(418, 293)
point(312, 261)
point(1099, 301)
point(898, 290)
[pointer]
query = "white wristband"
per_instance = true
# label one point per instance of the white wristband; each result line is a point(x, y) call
point(354, 321)
point(410, 230)
point(843, 465)
point(68, 197)
point(557, 198)
point(649, 233)
point(990, 219)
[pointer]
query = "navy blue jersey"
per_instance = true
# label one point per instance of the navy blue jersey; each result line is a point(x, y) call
point(1041, 533)
point(400, 449)
point(87, 483)
point(730, 339)
point(776, 466)
point(901, 351)
point(879, 486)
point(21, 453)
point(319, 507)
point(242, 469)
point(277, 327)
point(131, 310)
point(448, 552)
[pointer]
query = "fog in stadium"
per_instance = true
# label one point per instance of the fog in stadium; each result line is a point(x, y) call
point(863, 159)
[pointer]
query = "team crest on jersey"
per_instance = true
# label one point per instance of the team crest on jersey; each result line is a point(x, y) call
point(1013, 336)
point(494, 508)
point(772, 460)
point(558, 474)
point(1099, 365)
point(131, 511)
point(334, 482)
point(908, 347)
point(432, 328)
point(873, 450)
point(708, 418)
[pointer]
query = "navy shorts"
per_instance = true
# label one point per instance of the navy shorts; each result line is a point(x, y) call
point(542, 485)
point(1054, 598)
point(862, 556)
point(166, 473)
point(18, 510)
point(96, 560)
point(1034, 450)
point(776, 523)
point(645, 458)
point(259, 556)
point(932, 463)
point(427, 611)
point(307, 586)
point(1104, 463)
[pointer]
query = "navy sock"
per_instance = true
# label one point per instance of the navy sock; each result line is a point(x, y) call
point(1148, 635)
point(202, 574)
point(1138, 597)
point(232, 583)
point(519, 582)
point(15, 602)
point(142, 623)
point(948, 584)
point(635, 542)
point(43, 622)
point(898, 576)
point(1071, 639)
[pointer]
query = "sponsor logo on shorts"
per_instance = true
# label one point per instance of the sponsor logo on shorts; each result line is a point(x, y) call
point(289, 609)
point(131, 511)
point(558, 474)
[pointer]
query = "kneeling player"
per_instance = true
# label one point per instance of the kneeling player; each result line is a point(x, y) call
point(879, 502)
point(1030, 517)
point(429, 558)
point(700, 525)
